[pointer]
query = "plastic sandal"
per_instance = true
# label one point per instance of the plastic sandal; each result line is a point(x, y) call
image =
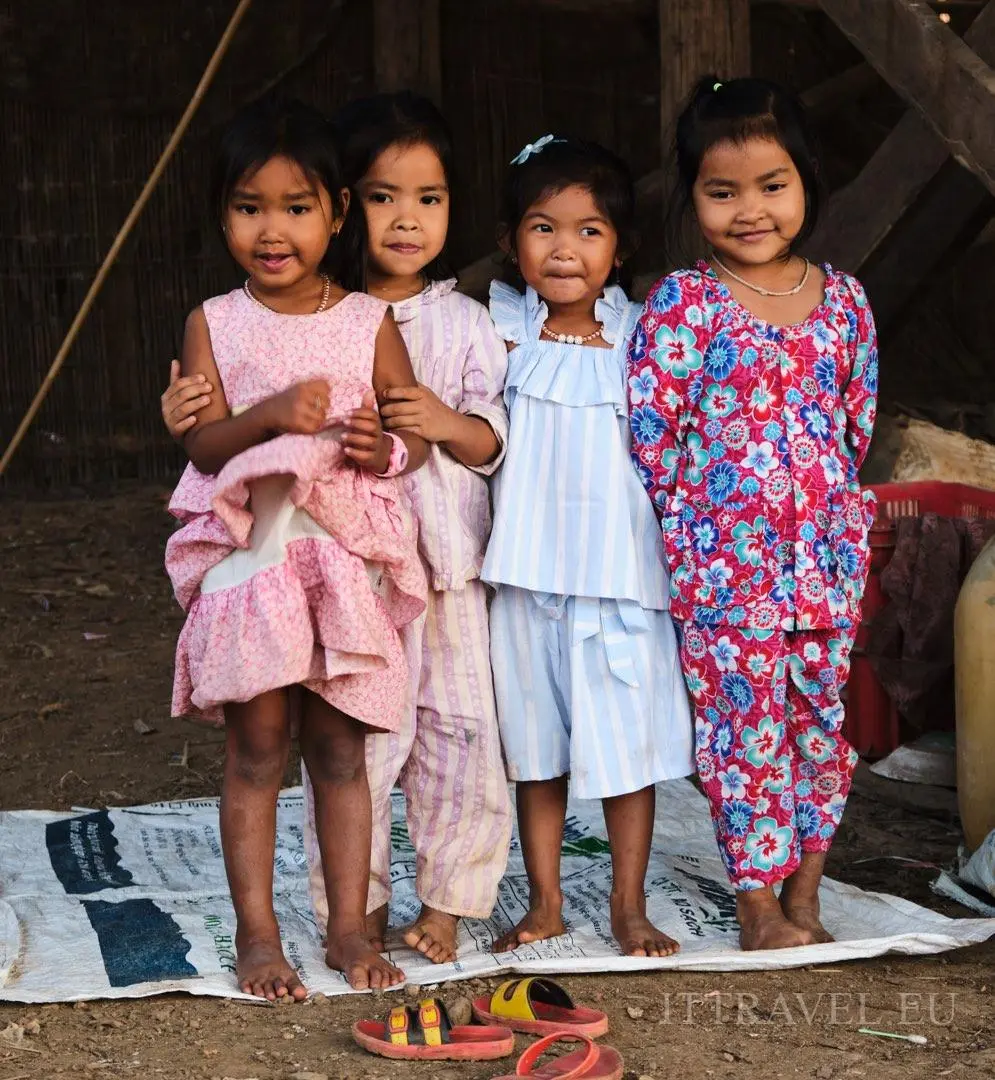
point(538, 1007)
point(424, 1033)
point(593, 1062)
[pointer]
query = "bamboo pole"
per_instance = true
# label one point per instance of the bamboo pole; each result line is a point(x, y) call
point(125, 231)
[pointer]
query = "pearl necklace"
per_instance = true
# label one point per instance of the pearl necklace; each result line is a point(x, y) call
point(325, 290)
point(570, 339)
point(757, 288)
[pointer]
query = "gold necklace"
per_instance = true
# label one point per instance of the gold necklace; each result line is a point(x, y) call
point(759, 289)
point(325, 290)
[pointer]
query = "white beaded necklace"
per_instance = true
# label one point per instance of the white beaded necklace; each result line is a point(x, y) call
point(759, 289)
point(325, 290)
point(571, 339)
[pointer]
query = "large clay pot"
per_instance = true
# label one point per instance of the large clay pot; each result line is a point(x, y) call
point(974, 659)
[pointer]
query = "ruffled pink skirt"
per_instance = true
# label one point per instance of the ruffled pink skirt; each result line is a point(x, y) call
point(295, 568)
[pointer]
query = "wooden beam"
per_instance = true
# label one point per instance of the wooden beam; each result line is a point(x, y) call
point(630, 8)
point(936, 72)
point(862, 215)
point(947, 217)
point(936, 5)
point(407, 51)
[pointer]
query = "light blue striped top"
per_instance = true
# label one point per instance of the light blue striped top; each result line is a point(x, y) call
point(571, 516)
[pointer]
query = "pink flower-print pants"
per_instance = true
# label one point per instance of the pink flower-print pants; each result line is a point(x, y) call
point(771, 755)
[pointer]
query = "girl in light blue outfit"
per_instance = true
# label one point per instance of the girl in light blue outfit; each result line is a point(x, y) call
point(584, 653)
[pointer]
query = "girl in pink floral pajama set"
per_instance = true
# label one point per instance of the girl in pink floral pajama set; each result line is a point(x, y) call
point(752, 382)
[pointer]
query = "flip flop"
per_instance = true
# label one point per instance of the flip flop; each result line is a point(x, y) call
point(593, 1062)
point(538, 1007)
point(424, 1033)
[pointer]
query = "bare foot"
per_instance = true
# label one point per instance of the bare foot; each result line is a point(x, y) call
point(544, 919)
point(363, 967)
point(263, 970)
point(800, 895)
point(433, 934)
point(806, 916)
point(636, 935)
point(762, 924)
point(376, 928)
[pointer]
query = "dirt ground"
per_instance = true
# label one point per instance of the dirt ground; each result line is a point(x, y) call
point(87, 626)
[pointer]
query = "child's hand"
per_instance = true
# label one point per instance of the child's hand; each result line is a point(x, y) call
point(301, 410)
point(417, 409)
point(364, 440)
point(183, 399)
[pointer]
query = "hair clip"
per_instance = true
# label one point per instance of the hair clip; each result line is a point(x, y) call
point(529, 149)
point(716, 87)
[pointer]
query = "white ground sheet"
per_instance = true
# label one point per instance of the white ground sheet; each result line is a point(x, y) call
point(133, 902)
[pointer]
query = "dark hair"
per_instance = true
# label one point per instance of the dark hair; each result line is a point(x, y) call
point(364, 128)
point(568, 162)
point(738, 110)
point(277, 127)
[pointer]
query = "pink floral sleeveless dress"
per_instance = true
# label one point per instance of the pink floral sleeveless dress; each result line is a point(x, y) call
point(293, 565)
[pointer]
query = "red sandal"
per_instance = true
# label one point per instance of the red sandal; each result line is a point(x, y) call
point(538, 1007)
point(424, 1033)
point(593, 1062)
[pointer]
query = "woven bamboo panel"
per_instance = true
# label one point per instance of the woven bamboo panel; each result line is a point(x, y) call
point(90, 94)
point(77, 147)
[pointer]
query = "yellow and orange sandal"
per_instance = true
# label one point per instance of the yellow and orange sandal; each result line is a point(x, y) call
point(538, 1007)
point(424, 1033)
point(593, 1061)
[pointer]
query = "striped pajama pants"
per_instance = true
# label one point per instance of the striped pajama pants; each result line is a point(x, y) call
point(589, 687)
point(447, 761)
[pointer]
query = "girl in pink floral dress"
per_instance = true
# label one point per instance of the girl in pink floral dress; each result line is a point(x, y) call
point(295, 562)
point(753, 383)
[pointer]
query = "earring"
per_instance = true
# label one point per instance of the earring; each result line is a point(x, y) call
point(514, 259)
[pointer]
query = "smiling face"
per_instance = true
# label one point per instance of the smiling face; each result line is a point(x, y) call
point(405, 197)
point(278, 225)
point(566, 248)
point(749, 200)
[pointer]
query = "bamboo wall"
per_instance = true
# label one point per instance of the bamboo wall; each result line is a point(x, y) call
point(89, 97)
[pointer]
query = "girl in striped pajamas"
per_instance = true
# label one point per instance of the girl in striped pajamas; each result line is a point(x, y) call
point(395, 151)
point(396, 155)
point(583, 649)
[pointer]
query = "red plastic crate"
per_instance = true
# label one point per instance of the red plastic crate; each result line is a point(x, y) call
point(915, 498)
point(872, 721)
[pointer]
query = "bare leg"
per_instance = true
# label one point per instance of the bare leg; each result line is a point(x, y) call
point(542, 810)
point(433, 934)
point(762, 924)
point(256, 752)
point(629, 819)
point(800, 895)
point(376, 927)
point(334, 749)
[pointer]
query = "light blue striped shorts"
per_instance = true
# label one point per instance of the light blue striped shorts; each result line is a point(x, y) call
point(590, 687)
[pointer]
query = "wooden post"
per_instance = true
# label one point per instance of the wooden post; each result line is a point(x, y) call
point(407, 50)
point(698, 37)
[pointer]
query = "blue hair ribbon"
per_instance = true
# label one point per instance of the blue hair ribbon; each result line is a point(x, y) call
point(529, 149)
